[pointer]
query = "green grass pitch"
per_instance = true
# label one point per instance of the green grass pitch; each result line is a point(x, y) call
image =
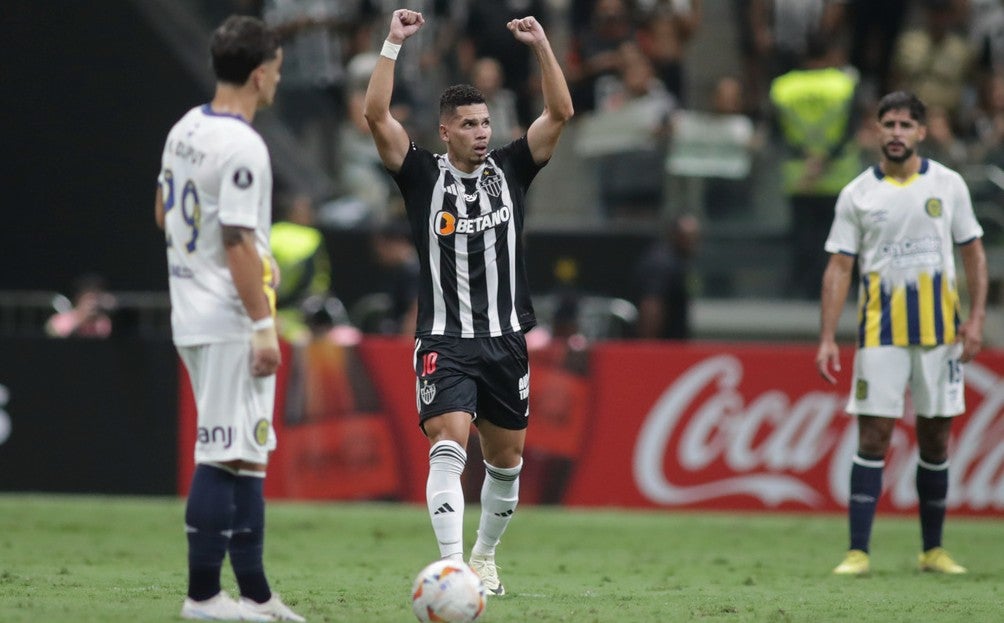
point(110, 559)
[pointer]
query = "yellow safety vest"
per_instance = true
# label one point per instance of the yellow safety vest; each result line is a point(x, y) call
point(303, 262)
point(814, 109)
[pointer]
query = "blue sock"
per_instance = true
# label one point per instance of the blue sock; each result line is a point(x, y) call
point(932, 491)
point(866, 487)
point(247, 542)
point(209, 516)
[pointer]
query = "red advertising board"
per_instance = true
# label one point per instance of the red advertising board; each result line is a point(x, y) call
point(647, 425)
point(754, 427)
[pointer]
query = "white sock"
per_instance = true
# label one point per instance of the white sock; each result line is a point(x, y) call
point(499, 496)
point(445, 497)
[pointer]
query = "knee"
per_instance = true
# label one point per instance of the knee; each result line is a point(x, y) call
point(933, 450)
point(932, 439)
point(506, 459)
point(874, 437)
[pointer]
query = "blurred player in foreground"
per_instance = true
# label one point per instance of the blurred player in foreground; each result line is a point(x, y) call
point(214, 204)
point(900, 221)
point(466, 209)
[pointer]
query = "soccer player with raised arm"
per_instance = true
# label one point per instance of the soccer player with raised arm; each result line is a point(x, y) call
point(467, 208)
point(901, 221)
point(214, 202)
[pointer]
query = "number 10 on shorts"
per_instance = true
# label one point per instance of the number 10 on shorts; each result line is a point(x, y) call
point(429, 363)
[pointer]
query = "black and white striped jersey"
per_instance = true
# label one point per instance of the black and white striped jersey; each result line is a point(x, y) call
point(468, 228)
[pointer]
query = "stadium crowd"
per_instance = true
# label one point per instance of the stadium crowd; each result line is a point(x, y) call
point(658, 130)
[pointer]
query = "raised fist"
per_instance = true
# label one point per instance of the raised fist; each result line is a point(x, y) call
point(526, 30)
point(403, 24)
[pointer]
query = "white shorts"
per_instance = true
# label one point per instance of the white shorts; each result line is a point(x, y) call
point(933, 374)
point(234, 408)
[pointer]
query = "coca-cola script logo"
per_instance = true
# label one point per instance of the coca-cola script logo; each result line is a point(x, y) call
point(769, 442)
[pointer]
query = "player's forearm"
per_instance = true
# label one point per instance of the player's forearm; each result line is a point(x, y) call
point(376, 105)
point(554, 88)
point(836, 282)
point(974, 260)
point(246, 270)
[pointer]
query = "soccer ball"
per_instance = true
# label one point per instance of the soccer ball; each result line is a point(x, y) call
point(449, 591)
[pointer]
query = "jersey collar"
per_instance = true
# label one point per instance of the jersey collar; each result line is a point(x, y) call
point(460, 174)
point(925, 164)
point(209, 112)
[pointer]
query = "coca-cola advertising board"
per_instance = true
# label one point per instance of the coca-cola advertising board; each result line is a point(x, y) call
point(632, 424)
point(728, 426)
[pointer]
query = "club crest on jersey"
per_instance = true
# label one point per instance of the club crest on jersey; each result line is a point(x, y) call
point(446, 223)
point(933, 207)
point(243, 178)
point(427, 392)
point(491, 182)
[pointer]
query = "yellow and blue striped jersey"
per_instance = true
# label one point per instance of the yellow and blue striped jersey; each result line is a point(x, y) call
point(903, 236)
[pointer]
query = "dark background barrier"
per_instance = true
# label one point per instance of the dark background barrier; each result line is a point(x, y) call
point(88, 416)
point(83, 143)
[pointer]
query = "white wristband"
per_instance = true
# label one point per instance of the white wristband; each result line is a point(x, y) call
point(264, 323)
point(390, 50)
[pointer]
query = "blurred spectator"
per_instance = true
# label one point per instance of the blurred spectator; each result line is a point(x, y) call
point(310, 97)
point(934, 60)
point(662, 281)
point(304, 268)
point(365, 185)
point(941, 144)
point(727, 98)
point(987, 142)
point(319, 385)
point(322, 313)
point(718, 146)
point(782, 30)
point(395, 253)
point(752, 59)
point(986, 34)
point(987, 129)
point(88, 314)
point(441, 58)
point(815, 115)
point(664, 35)
point(628, 135)
point(567, 299)
point(867, 136)
point(595, 50)
point(579, 15)
point(487, 36)
point(487, 77)
point(874, 29)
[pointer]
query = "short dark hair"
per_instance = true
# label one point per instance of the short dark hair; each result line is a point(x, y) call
point(903, 100)
point(456, 96)
point(239, 46)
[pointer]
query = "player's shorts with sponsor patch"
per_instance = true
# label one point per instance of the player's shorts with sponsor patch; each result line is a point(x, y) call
point(488, 377)
point(933, 374)
point(234, 407)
